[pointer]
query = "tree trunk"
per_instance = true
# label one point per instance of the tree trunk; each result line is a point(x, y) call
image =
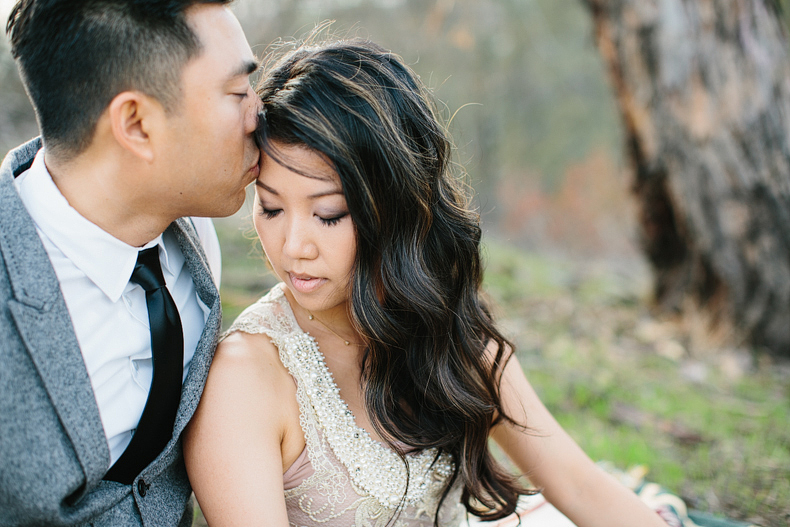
point(703, 87)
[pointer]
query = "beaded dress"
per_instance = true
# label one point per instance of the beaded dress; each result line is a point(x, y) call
point(346, 478)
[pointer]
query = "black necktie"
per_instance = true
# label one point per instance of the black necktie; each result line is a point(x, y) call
point(167, 346)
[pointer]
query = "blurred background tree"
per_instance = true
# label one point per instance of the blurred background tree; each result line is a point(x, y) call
point(703, 88)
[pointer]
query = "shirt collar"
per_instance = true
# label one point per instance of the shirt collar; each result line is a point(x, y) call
point(107, 261)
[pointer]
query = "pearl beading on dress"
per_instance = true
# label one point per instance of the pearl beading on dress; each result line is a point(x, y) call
point(373, 467)
point(343, 455)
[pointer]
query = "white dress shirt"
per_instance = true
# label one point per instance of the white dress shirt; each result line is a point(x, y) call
point(109, 313)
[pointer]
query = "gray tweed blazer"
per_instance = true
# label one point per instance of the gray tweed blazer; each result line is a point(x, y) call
point(53, 453)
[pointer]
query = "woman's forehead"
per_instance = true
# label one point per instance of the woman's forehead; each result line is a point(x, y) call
point(302, 160)
point(297, 167)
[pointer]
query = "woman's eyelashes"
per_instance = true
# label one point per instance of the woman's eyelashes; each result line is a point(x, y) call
point(269, 213)
point(333, 220)
point(329, 219)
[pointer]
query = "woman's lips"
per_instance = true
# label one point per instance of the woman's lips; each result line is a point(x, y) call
point(305, 283)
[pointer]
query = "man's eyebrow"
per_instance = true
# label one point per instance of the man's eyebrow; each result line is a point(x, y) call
point(248, 67)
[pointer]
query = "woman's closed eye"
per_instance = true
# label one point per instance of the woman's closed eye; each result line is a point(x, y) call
point(327, 221)
point(334, 220)
point(269, 213)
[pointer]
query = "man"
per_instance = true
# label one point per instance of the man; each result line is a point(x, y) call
point(108, 311)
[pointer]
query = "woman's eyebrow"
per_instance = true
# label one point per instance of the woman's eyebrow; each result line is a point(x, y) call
point(331, 192)
point(328, 192)
point(266, 187)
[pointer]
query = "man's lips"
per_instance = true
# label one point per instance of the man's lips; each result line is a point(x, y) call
point(255, 170)
point(305, 283)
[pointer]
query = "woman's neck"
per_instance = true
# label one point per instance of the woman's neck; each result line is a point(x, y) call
point(330, 326)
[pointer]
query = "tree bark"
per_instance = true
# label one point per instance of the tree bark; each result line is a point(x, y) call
point(703, 87)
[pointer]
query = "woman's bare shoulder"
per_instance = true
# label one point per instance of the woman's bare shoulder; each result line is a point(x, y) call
point(246, 381)
point(233, 446)
point(240, 349)
point(248, 367)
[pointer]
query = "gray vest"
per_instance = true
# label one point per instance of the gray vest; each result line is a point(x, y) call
point(53, 453)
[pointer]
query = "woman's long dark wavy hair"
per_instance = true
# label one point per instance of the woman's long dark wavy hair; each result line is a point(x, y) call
point(415, 293)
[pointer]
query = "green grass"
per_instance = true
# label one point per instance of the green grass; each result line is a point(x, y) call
point(722, 442)
point(593, 352)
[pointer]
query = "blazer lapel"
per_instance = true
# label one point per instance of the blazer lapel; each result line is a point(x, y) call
point(204, 284)
point(45, 327)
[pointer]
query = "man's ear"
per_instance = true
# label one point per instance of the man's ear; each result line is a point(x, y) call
point(134, 119)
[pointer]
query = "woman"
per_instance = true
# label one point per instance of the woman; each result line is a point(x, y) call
point(363, 389)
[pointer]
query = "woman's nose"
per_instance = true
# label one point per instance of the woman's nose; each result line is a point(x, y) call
point(299, 243)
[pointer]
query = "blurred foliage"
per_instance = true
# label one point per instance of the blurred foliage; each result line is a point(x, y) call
point(524, 73)
point(17, 120)
point(784, 9)
point(629, 389)
point(520, 80)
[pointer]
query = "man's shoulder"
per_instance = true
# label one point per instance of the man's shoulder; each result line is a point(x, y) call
point(24, 262)
point(13, 215)
point(20, 158)
point(16, 161)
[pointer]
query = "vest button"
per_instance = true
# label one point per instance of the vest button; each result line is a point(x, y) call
point(142, 488)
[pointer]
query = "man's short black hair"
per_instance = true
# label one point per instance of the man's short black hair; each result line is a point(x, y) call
point(75, 56)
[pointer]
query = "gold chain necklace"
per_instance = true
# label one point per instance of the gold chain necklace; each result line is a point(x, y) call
point(311, 317)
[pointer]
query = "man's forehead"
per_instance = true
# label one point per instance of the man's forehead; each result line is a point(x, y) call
point(222, 39)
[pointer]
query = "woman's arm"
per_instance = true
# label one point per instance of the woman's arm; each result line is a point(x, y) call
point(232, 445)
point(556, 464)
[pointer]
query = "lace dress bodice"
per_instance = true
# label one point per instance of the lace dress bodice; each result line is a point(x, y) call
point(355, 480)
